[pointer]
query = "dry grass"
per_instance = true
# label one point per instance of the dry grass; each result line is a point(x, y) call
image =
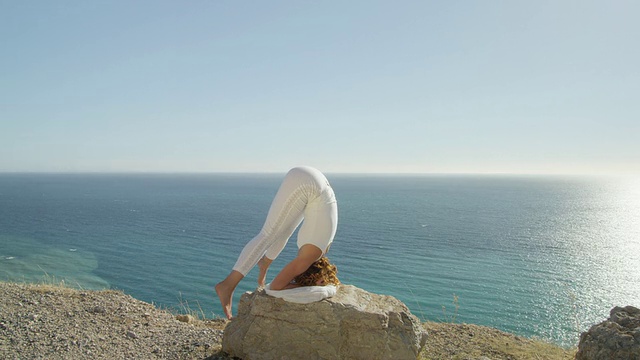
point(188, 309)
point(49, 284)
point(465, 341)
point(48, 288)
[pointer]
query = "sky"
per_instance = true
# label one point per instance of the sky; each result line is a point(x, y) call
point(522, 87)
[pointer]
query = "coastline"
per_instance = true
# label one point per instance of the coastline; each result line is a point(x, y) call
point(57, 322)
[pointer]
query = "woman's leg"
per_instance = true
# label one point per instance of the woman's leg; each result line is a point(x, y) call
point(285, 214)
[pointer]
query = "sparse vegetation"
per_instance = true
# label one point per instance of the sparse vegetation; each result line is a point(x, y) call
point(451, 341)
point(51, 280)
point(451, 318)
point(187, 309)
point(465, 341)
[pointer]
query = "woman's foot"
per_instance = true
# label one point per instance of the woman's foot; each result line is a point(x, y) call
point(225, 289)
point(263, 265)
point(226, 296)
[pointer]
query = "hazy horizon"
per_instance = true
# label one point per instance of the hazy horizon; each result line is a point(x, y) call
point(330, 173)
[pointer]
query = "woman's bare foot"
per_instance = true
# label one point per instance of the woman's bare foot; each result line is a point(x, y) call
point(263, 265)
point(226, 296)
point(225, 289)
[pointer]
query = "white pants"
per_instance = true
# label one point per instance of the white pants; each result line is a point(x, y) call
point(305, 193)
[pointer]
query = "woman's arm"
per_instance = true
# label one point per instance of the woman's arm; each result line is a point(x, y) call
point(306, 256)
point(291, 285)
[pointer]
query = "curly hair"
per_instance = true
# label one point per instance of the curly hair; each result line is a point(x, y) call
point(321, 272)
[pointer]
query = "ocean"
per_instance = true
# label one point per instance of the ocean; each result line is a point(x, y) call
point(538, 256)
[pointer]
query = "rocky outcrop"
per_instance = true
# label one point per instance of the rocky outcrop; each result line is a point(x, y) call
point(616, 338)
point(354, 324)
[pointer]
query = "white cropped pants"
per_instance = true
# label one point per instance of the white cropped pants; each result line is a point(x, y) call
point(305, 194)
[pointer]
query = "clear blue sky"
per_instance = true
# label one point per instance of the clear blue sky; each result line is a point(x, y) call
point(346, 86)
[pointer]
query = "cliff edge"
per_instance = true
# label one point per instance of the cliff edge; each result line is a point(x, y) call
point(53, 322)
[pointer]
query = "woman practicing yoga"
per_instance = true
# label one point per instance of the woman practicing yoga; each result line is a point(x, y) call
point(305, 193)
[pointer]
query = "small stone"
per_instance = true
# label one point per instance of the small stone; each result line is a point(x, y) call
point(185, 318)
point(132, 335)
point(98, 310)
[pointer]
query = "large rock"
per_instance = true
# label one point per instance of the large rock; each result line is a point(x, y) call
point(354, 324)
point(616, 338)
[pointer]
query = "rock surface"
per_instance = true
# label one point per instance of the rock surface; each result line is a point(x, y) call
point(354, 324)
point(613, 339)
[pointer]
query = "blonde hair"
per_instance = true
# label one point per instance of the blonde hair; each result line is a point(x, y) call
point(321, 272)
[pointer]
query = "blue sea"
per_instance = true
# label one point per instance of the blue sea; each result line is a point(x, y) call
point(538, 256)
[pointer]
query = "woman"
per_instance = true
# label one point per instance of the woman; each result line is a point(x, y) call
point(305, 193)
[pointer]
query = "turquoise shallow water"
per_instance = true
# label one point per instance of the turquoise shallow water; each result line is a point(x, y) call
point(537, 256)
